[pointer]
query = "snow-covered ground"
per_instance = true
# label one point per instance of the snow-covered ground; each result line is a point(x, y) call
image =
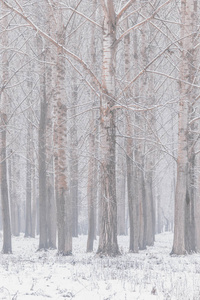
point(151, 274)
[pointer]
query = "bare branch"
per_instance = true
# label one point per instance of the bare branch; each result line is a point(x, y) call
point(152, 61)
point(20, 7)
point(82, 15)
point(126, 6)
point(172, 77)
point(104, 6)
point(91, 87)
point(143, 22)
point(54, 42)
point(194, 120)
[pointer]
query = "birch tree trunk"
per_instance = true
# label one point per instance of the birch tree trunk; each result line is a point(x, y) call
point(121, 192)
point(139, 184)
point(90, 190)
point(192, 237)
point(28, 182)
point(132, 192)
point(74, 161)
point(64, 206)
point(131, 169)
point(50, 95)
point(29, 158)
point(4, 107)
point(51, 201)
point(92, 166)
point(33, 187)
point(43, 243)
point(14, 196)
point(182, 195)
point(150, 156)
point(108, 232)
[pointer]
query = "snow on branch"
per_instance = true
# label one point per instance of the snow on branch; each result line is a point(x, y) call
point(53, 41)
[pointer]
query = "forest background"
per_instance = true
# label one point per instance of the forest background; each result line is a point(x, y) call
point(99, 104)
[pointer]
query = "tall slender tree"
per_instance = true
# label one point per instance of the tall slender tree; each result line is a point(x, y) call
point(64, 205)
point(4, 110)
point(183, 215)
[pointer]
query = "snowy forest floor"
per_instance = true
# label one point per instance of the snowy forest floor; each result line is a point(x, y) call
point(150, 274)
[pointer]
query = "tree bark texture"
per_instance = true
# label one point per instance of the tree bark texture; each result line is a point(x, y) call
point(182, 195)
point(64, 206)
point(50, 95)
point(43, 241)
point(74, 161)
point(4, 106)
point(108, 232)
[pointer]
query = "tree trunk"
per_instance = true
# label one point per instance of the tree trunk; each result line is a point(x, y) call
point(182, 195)
point(108, 232)
point(33, 211)
point(90, 192)
point(74, 161)
point(29, 158)
point(121, 195)
point(14, 177)
point(28, 184)
point(92, 165)
point(92, 184)
point(131, 169)
point(63, 199)
point(43, 243)
point(132, 193)
point(139, 184)
point(51, 201)
point(50, 95)
point(7, 244)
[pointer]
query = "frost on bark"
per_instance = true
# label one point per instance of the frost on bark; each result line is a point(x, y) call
point(108, 231)
point(4, 107)
point(183, 195)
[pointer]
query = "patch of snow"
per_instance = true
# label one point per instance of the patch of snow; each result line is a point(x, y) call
point(151, 274)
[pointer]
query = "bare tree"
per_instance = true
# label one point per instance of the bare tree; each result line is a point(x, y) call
point(4, 110)
point(183, 196)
